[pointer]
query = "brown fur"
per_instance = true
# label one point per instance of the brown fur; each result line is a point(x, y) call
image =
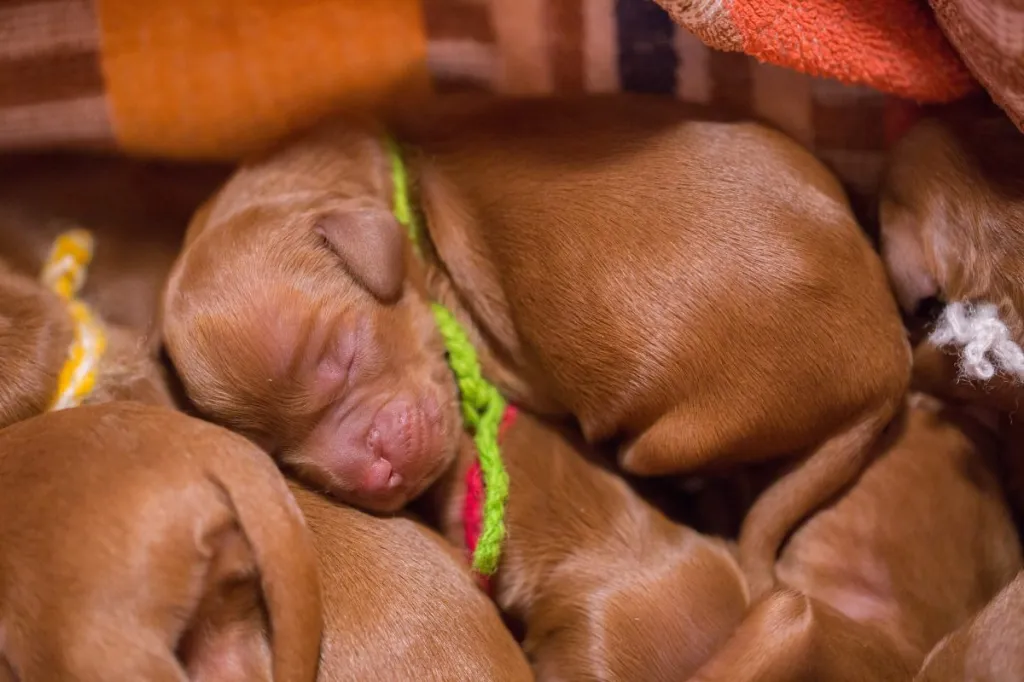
point(952, 209)
point(988, 648)
point(698, 289)
point(36, 331)
point(399, 604)
point(141, 544)
point(923, 540)
point(790, 637)
point(606, 586)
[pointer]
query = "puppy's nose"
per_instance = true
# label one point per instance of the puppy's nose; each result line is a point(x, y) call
point(380, 475)
point(401, 434)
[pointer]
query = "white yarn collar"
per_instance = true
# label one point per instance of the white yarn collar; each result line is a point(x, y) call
point(984, 341)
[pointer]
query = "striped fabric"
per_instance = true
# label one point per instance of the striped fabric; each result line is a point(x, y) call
point(217, 78)
point(541, 47)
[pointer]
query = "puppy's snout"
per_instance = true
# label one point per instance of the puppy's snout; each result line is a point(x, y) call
point(406, 434)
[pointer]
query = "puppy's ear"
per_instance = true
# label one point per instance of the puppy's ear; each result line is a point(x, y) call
point(371, 247)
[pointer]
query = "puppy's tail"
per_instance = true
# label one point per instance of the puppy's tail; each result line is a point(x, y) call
point(788, 501)
point(276, 532)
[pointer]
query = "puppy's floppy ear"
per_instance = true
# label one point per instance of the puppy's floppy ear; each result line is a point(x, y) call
point(371, 246)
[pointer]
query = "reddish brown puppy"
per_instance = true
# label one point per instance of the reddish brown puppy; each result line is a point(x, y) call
point(922, 541)
point(140, 544)
point(400, 603)
point(698, 290)
point(606, 587)
point(952, 207)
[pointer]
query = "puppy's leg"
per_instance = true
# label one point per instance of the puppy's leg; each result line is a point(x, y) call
point(822, 475)
point(679, 442)
point(789, 637)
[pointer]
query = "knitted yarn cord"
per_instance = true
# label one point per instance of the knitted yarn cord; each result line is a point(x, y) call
point(482, 404)
point(984, 341)
point(64, 273)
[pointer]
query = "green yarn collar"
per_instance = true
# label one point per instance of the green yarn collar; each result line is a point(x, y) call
point(482, 403)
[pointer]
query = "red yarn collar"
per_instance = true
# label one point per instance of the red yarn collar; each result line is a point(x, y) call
point(472, 506)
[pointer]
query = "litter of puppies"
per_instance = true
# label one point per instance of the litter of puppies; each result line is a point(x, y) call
point(444, 396)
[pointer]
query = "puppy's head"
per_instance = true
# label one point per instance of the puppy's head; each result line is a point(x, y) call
point(952, 214)
point(35, 333)
point(297, 315)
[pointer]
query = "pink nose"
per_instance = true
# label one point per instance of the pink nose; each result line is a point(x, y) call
point(404, 434)
point(381, 476)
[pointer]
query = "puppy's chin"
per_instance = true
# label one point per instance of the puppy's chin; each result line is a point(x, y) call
point(389, 496)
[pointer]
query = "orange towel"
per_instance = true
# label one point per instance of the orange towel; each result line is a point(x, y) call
point(892, 45)
point(216, 77)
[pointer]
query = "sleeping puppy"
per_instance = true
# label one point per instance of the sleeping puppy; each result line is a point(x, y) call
point(137, 543)
point(36, 333)
point(400, 603)
point(988, 648)
point(699, 291)
point(922, 540)
point(952, 206)
point(606, 587)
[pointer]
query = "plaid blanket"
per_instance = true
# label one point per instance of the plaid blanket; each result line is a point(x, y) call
point(213, 79)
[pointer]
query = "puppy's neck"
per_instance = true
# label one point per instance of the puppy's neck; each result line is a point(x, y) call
point(432, 264)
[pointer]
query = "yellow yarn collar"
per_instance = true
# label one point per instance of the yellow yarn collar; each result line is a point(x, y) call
point(482, 404)
point(64, 273)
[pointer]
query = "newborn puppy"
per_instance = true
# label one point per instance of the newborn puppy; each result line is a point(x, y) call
point(140, 544)
point(606, 586)
point(790, 637)
point(36, 333)
point(920, 542)
point(988, 648)
point(952, 204)
point(400, 604)
point(698, 290)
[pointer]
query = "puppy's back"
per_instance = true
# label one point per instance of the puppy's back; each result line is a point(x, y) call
point(400, 605)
